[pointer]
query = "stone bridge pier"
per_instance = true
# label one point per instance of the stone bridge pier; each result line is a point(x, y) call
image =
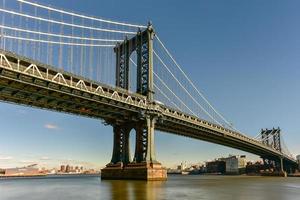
point(143, 166)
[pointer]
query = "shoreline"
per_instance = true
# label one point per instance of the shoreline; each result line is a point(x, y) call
point(48, 176)
point(239, 175)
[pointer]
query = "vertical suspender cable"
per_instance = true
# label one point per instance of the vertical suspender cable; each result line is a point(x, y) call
point(71, 56)
point(81, 52)
point(39, 44)
point(34, 28)
point(20, 43)
point(91, 55)
point(2, 30)
point(178, 66)
point(61, 46)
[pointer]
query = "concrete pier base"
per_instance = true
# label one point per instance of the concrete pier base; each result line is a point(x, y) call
point(283, 174)
point(135, 171)
point(276, 173)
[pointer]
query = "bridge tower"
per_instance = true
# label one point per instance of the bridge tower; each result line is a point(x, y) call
point(272, 138)
point(144, 165)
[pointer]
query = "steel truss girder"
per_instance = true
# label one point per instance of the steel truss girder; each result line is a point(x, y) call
point(47, 98)
point(45, 77)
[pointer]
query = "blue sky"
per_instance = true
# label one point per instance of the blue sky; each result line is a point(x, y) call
point(244, 56)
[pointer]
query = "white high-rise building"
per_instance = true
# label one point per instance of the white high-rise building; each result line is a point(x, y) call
point(235, 163)
point(183, 165)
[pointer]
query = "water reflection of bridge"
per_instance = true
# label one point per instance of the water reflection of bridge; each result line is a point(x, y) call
point(128, 190)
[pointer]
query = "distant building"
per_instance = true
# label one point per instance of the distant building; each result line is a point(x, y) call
point(202, 169)
point(217, 166)
point(182, 166)
point(67, 168)
point(298, 158)
point(254, 168)
point(23, 171)
point(52, 171)
point(2, 172)
point(62, 168)
point(235, 164)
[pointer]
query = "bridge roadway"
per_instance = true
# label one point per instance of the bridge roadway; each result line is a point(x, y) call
point(27, 82)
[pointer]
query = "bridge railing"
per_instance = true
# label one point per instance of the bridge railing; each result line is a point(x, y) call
point(66, 79)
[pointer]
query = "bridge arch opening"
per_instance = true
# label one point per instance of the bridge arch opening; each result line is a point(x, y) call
point(133, 72)
point(132, 144)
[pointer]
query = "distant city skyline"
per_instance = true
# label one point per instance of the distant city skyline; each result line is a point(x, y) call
point(243, 56)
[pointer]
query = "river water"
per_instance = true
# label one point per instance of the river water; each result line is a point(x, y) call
point(177, 187)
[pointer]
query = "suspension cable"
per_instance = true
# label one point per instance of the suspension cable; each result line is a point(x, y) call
point(79, 15)
point(184, 88)
point(173, 93)
point(166, 96)
point(284, 148)
point(55, 42)
point(193, 85)
point(66, 24)
point(57, 35)
point(257, 136)
point(270, 136)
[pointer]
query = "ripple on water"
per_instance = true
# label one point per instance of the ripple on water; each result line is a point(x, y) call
point(177, 187)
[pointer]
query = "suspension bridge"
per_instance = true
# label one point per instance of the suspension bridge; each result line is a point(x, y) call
point(121, 73)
